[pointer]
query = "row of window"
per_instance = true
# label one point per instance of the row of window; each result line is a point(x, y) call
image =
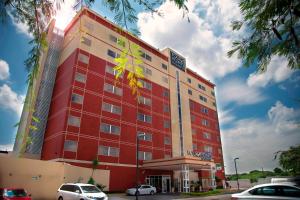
point(75, 121)
point(72, 146)
point(202, 98)
point(206, 148)
point(201, 87)
point(206, 135)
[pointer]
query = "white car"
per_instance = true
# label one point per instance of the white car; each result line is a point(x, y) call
point(80, 191)
point(270, 191)
point(142, 189)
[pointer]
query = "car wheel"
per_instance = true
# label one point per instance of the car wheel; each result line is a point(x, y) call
point(152, 192)
point(137, 193)
point(60, 198)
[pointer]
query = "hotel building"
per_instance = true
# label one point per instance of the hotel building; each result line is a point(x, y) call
point(84, 114)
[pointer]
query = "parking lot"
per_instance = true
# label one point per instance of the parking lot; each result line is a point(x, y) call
point(166, 197)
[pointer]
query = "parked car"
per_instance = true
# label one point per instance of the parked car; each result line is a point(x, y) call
point(13, 194)
point(142, 189)
point(80, 191)
point(270, 191)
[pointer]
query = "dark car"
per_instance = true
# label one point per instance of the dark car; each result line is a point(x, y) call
point(13, 194)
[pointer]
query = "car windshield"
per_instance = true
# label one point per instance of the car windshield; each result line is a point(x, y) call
point(90, 189)
point(15, 193)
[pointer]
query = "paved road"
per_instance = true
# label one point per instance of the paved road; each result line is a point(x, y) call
point(167, 197)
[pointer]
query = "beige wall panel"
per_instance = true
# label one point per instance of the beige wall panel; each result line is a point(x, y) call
point(43, 178)
point(69, 49)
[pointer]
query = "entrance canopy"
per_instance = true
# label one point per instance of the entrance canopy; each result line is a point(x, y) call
point(176, 163)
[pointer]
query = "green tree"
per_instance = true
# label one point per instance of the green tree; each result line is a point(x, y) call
point(278, 171)
point(272, 27)
point(289, 160)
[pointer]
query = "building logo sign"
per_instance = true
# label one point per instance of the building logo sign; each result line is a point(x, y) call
point(177, 60)
point(202, 155)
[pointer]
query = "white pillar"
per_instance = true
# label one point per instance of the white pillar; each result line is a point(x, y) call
point(185, 178)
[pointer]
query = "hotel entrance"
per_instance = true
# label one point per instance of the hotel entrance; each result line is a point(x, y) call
point(162, 183)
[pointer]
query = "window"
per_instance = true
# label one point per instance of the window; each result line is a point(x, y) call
point(167, 140)
point(74, 121)
point(208, 148)
point(194, 131)
point(146, 56)
point(83, 58)
point(146, 85)
point(166, 124)
point(111, 129)
point(193, 117)
point(189, 80)
point(70, 145)
point(111, 71)
point(190, 92)
point(218, 138)
point(207, 135)
point(213, 93)
point(86, 41)
point(204, 110)
point(144, 118)
point(108, 151)
point(201, 87)
point(217, 126)
point(166, 108)
point(202, 98)
point(205, 122)
point(77, 98)
point(80, 77)
point(194, 146)
point(145, 155)
point(148, 71)
point(164, 66)
point(290, 191)
point(112, 54)
point(166, 93)
point(113, 89)
point(144, 100)
point(144, 136)
point(214, 104)
point(111, 108)
point(117, 40)
point(165, 79)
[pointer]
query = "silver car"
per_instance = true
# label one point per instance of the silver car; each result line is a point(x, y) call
point(270, 191)
point(142, 189)
point(80, 191)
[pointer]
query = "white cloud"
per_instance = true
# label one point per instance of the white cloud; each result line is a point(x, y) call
point(237, 91)
point(20, 26)
point(277, 71)
point(204, 41)
point(4, 70)
point(255, 141)
point(226, 117)
point(10, 100)
point(6, 147)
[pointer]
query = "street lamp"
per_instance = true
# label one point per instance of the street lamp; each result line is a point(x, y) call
point(137, 164)
point(237, 176)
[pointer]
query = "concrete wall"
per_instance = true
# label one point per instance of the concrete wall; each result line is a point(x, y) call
point(42, 178)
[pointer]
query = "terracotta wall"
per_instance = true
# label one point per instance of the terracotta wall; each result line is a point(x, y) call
point(41, 179)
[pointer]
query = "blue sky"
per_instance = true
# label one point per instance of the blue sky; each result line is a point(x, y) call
point(259, 113)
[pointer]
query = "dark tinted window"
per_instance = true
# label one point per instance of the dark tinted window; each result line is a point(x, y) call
point(290, 191)
point(90, 189)
point(69, 188)
point(15, 193)
point(269, 190)
point(75, 187)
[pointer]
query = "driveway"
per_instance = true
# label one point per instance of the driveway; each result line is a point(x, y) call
point(167, 197)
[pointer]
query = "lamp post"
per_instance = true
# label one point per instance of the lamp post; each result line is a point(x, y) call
point(137, 164)
point(237, 176)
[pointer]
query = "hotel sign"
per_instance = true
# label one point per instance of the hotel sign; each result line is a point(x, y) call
point(202, 155)
point(177, 60)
